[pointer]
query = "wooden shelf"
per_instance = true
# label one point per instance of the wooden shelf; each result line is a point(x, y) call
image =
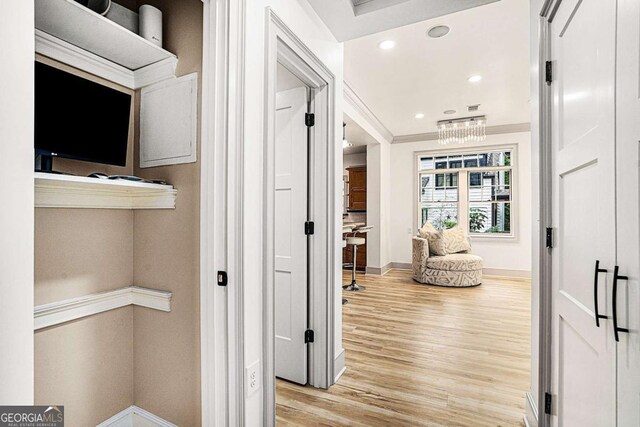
point(77, 308)
point(68, 191)
point(75, 35)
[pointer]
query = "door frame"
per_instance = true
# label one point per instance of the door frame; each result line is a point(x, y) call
point(221, 215)
point(545, 293)
point(284, 47)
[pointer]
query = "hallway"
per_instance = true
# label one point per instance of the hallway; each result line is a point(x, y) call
point(424, 355)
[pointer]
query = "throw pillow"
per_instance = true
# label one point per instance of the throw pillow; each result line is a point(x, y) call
point(426, 228)
point(455, 240)
point(436, 243)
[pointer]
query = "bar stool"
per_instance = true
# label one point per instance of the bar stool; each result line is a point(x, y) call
point(355, 241)
point(344, 245)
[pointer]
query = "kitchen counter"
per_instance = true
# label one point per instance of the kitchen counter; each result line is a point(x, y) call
point(349, 226)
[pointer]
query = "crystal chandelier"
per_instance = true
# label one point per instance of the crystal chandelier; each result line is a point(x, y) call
point(462, 130)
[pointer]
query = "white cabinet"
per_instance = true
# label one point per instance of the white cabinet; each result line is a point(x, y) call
point(169, 122)
point(595, 135)
point(76, 36)
point(627, 216)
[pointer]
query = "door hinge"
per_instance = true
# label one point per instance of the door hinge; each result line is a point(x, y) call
point(309, 119)
point(549, 239)
point(548, 400)
point(308, 336)
point(309, 228)
point(222, 278)
point(548, 72)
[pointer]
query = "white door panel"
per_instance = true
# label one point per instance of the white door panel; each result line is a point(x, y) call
point(290, 240)
point(583, 147)
point(628, 202)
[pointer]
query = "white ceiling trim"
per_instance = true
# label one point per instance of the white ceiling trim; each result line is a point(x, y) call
point(355, 102)
point(491, 130)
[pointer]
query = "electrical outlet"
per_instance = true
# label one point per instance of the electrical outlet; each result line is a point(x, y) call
point(253, 377)
point(409, 230)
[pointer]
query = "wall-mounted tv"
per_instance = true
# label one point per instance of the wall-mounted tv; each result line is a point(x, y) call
point(78, 119)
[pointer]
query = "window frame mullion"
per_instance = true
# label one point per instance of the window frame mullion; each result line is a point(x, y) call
point(463, 199)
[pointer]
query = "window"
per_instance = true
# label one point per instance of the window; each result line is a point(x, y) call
point(474, 189)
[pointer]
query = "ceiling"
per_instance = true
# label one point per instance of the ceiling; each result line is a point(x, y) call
point(429, 76)
point(356, 136)
point(349, 19)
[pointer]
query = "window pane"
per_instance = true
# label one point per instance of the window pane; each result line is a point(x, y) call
point(441, 215)
point(426, 187)
point(440, 180)
point(441, 162)
point(490, 217)
point(426, 163)
point(470, 162)
point(451, 195)
point(455, 164)
point(475, 179)
point(502, 193)
point(501, 158)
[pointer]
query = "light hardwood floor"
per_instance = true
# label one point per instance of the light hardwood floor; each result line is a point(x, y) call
point(421, 355)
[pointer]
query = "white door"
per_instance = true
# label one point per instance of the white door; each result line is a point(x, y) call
point(583, 149)
point(289, 235)
point(628, 206)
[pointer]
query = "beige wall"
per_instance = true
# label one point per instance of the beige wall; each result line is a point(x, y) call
point(166, 256)
point(86, 365)
point(98, 366)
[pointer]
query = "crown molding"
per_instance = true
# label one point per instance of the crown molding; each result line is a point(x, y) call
point(491, 130)
point(352, 98)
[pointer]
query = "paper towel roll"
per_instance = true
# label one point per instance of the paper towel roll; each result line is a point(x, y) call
point(150, 25)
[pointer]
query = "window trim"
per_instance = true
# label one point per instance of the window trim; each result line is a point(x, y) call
point(463, 197)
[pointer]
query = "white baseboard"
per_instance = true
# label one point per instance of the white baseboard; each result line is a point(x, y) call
point(503, 272)
point(75, 308)
point(135, 417)
point(339, 366)
point(401, 265)
point(379, 271)
point(531, 411)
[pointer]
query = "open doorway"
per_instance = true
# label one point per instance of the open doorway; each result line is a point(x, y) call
point(439, 331)
point(300, 225)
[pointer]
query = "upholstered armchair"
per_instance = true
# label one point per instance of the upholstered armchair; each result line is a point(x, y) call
point(456, 270)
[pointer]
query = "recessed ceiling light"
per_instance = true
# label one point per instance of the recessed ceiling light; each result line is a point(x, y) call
point(438, 31)
point(387, 44)
point(475, 78)
point(419, 115)
point(449, 111)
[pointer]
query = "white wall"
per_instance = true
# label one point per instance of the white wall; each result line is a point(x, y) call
point(378, 206)
point(303, 21)
point(357, 159)
point(497, 254)
point(16, 214)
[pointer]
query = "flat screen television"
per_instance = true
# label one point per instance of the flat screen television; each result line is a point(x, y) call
point(78, 119)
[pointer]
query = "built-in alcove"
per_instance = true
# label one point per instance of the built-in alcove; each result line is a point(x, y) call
point(116, 261)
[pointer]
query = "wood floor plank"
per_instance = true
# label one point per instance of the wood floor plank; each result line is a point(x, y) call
point(420, 355)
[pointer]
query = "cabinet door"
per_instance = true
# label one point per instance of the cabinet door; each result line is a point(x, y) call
point(583, 151)
point(628, 202)
point(358, 188)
